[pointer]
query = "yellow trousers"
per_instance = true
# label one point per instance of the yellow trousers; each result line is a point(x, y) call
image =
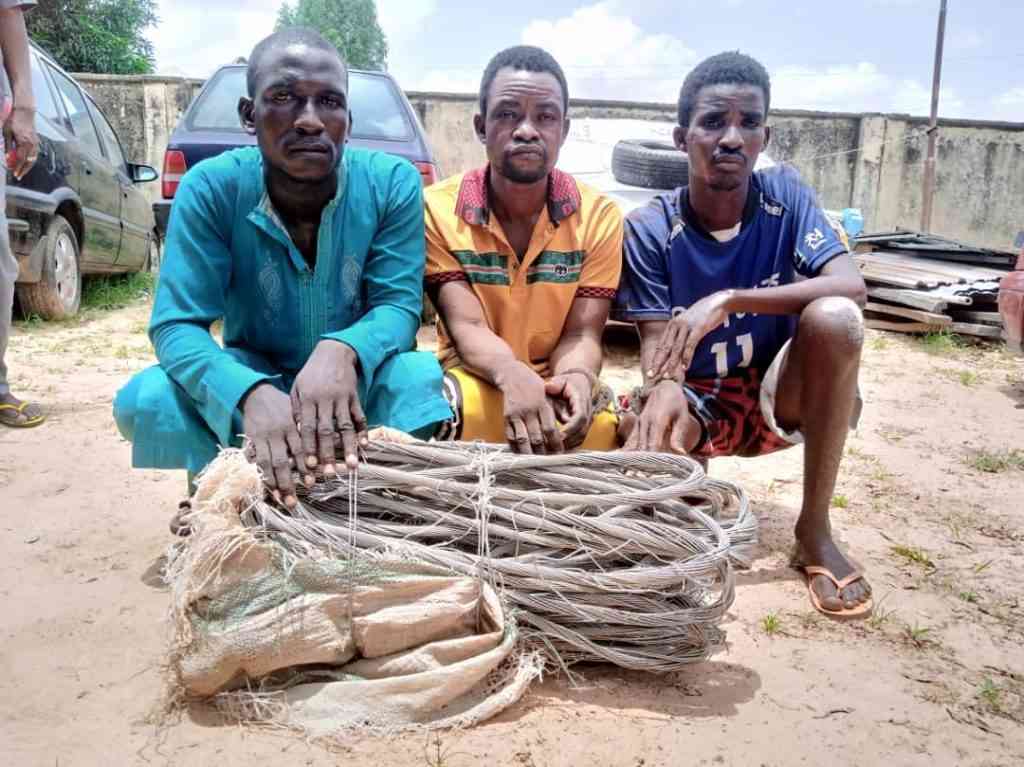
point(480, 413)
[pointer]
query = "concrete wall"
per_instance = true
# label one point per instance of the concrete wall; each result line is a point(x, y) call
point(874, 162)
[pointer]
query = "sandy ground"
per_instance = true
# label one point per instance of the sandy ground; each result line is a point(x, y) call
point(937, 678)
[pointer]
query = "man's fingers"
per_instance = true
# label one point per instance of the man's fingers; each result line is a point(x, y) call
point(304, 414)
point(25, 162)
point(553, 438)
point(349, 442)
point(661, 354)
point(359, 423)
point(296, 457)
point(535, 434)
point(678, 345)
point(325, 436)
point(677, 439)
point(282, 472)
point(261, 452)
point(689, 348)
point(517, 436)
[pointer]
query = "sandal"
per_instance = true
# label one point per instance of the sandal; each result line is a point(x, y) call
point(862, 610)
point(19, 420)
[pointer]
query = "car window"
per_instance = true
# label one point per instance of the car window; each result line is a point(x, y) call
point(74, 103)
point(217, 107)
point(377, 109)
point(45, 104)
point(109, 138)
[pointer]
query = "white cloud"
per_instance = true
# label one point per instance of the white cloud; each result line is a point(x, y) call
point(1010, 105)
point(606, 55)
point(861, 87)
point(195, 37)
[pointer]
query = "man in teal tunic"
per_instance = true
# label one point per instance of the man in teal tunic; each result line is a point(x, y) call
point(312, 255)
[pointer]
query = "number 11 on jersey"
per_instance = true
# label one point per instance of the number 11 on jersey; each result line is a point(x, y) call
point(721, 352)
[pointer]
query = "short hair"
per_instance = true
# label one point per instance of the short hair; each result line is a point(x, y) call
point(522, 57)
point(730, 67)
point(282, 38)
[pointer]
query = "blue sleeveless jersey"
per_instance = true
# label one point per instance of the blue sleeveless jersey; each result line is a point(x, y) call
point(669, 266)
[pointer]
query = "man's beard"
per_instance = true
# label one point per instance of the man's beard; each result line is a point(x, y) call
point(518, 176)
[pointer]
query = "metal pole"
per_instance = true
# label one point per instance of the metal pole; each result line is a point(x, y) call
point(933, 126)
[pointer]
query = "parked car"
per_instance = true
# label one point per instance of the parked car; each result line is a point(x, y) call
point(382, 119)
point(79, 210)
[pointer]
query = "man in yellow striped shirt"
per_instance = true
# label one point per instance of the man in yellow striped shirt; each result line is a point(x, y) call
point(522, 264)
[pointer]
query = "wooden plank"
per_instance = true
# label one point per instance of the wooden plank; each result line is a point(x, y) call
point(913, 298)
point(891, 279)
point(911, 314)
point(981, 318)
point(969, 329)
point(963, 272)
point(902, 327)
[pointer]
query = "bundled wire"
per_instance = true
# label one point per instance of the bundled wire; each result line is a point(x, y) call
point(623, 558)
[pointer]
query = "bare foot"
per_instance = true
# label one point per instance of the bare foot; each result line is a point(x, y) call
point(19, 413)
point(821, 551)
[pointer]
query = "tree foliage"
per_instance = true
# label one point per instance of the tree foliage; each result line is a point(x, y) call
point(103, 36)
point(350, 24)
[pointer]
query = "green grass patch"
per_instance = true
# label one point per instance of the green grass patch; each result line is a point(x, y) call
point(997, 461)
point(990, 693)
point(840, 501)
point(915, 555)
point(970, 597)
point(116, 292)
point(917, 635)
point(941, 342)
point(771, 624)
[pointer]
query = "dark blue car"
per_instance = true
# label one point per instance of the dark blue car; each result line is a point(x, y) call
point(382, 119)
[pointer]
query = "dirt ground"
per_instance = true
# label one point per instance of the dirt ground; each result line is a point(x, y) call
point(936, 678)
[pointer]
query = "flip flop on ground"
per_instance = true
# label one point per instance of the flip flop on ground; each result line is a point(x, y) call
point(20, 415)
point(862, 610)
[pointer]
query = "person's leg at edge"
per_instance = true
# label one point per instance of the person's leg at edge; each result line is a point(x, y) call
point(816, 394)
point(30, 413)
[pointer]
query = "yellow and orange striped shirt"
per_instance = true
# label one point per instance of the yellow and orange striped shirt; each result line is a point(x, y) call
point(575, 250)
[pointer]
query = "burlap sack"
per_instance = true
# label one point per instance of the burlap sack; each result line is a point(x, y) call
point(280, 631)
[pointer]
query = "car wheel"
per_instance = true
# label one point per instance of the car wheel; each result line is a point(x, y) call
point(153, 255)
point(58, 294)
point(650, 164)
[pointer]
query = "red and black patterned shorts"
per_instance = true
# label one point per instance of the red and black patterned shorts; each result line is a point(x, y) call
point(730, 416)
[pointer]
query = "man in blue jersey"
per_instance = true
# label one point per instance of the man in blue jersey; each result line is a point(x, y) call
point(313, 255)
point(743, 291)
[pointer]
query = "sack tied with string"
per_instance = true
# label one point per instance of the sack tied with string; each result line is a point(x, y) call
point(291, 633)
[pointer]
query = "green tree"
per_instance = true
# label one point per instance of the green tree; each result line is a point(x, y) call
point(103, 36)
point(350, 24)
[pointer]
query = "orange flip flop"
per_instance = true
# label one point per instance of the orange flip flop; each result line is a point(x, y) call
point(863, 610)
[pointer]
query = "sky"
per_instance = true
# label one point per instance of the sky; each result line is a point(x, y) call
point(836, 55)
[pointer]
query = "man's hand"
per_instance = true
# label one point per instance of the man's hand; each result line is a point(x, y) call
point(664, 421)
point(572, 401)
point(530, 425)
point(682, 334)
point(22, 141)
point(325, 393)
point(269, 424)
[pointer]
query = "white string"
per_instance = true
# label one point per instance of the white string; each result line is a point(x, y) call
point(353, 515)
